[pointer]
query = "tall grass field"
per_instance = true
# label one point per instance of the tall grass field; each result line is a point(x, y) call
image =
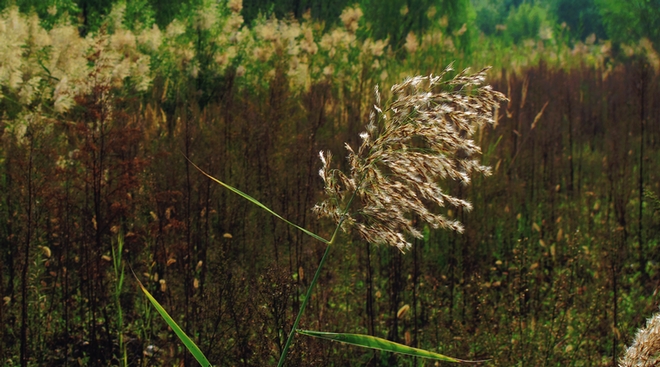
point(507, 216)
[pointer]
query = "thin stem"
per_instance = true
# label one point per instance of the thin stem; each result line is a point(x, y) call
point(313, 283)
point(304, 304)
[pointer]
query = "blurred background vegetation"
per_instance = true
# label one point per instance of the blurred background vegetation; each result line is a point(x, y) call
point(101, 100)
point(517, 19)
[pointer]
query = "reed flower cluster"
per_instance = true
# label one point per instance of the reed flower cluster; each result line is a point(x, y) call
point(413, 145)
point(645, 350)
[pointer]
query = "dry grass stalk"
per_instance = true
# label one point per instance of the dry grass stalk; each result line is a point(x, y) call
point(645, 350)
point(421, 138)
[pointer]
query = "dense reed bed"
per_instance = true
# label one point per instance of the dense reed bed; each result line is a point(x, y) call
point(557, 265)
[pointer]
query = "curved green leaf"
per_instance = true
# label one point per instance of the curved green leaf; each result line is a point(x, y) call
point(258, 203)
point(192, 347)
point(367, 341)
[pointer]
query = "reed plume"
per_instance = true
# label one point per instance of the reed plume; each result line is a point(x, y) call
point(645, 349)
point(422, 137)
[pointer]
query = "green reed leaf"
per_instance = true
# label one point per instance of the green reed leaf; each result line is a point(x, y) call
point(258, 203)
point(367, 341)
point(192, 347)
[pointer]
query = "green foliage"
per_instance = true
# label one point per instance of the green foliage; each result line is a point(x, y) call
point(92, 13)
point(581, 16)
point(49, 11)
point(139, 14)
point(327, 11)
point(395, 19)
point(491, 13)
point(652, 199)
point(322, 10)
point(135, 16)
point(630, 20)
point(165, 11)
point(527, 22)
point(488, 18)
point(372, 342)
point(185, 339)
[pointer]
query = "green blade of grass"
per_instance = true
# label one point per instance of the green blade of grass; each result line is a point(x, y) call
point(192, 347)
point(367, 341)
point(258, 203)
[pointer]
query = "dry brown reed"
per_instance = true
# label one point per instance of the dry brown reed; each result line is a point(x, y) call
point(645, 349)
point(421, 138)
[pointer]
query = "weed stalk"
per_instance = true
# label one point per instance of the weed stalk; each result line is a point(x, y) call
point(308, 295)
point(118, 268)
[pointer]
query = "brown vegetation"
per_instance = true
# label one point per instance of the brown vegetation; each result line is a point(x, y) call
point(557, 264)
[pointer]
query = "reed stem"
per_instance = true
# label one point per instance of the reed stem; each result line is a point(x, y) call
point(308, 295)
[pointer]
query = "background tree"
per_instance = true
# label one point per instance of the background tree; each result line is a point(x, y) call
point(527, 21)
point(628, 21)
point(581, 16)
point(397, 18)
point(490, 13)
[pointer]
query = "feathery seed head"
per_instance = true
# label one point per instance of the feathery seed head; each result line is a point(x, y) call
point(645, 350)
point(206, 17)
point(151, 38)
point(235, 5)
point(350, 18)
point(410, 146)
point(174, 29)
point(411, 43)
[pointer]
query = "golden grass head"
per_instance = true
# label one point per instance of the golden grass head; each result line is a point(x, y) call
point(419, 139)
point(235, 5)
point(645, 350)
point(411, 44)
point(350, 17)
